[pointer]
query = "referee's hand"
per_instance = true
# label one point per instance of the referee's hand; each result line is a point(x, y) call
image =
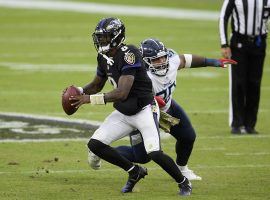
point(226, 52)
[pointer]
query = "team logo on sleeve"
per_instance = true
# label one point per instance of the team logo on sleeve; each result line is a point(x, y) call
point(129, 58)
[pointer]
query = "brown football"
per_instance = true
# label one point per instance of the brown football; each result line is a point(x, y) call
point(66, 103)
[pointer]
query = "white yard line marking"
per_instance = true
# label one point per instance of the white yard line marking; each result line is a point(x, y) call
point(49, 67)
point(211, 149)
point(231, 166)
point(218, 111)
point(149, 168)
point(45, 140)
point(44, 40)
point(113, 9)
point(200, 74)
point(248, 154)
point(235, 137)
point(51, 55)
point(92, 68)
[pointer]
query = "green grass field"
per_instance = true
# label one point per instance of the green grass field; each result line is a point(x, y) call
point(42, 52)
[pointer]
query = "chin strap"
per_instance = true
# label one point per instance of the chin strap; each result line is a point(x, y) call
point(109, 60)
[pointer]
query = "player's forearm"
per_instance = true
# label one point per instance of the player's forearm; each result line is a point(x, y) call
point(122, 91)
point(92, 88)
point(118, 94)
point(115, 95)
point(194, 61)
point(198, 61)
point(103, 98)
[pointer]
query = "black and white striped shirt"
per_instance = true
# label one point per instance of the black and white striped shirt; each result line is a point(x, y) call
point(249, 17)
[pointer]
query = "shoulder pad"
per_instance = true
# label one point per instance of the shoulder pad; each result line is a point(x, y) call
point(171, 53)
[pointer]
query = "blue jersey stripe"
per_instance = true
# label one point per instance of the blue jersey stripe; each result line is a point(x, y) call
point(137, 65)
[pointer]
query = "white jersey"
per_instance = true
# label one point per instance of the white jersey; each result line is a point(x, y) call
point(164, 85)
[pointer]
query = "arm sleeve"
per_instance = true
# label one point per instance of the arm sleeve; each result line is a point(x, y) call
point(225, 14)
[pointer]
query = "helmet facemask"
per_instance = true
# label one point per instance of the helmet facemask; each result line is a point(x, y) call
point(101, 42)
point(158, 64)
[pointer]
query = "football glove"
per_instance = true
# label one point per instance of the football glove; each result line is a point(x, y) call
point(223, 62)
point(166, 121)
point(160, 101)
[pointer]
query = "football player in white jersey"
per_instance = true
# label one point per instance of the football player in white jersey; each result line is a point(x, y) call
point(163, 65)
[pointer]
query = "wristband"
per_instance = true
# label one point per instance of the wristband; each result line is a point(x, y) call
point(97, 99)
point(188, 58)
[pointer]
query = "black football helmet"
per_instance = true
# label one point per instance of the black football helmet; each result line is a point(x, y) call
point(152, 49)
point(109, 33)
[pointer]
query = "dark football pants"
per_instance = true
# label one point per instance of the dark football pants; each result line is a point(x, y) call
point(246, 79)
point(183, 133)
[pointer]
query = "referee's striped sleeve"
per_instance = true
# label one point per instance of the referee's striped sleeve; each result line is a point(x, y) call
point(225, 13)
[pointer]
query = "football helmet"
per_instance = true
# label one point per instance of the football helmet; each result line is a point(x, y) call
point(152, 51)
point(109, 33)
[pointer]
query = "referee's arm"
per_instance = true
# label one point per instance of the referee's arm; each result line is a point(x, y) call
point(225, 14)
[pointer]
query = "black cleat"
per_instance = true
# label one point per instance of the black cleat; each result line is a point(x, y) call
point(251, 130)
point(238, 130)
point(132, 180)
point(185, 187)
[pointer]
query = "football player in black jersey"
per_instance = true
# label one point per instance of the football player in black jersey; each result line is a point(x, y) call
point(132, 96)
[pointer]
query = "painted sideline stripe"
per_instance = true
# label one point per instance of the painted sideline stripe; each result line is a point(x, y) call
point(49, 118)
point(113, 9)
point(83, 124)
point(44, 140)
point(92, 124)
point(149, 168)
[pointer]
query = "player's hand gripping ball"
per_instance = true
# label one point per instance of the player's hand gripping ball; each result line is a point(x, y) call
point(66, 103)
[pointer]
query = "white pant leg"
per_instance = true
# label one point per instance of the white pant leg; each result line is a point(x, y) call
point(145, 123)
point(113, 128)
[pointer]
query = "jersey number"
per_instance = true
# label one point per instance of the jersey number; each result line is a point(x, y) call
point(167, 92)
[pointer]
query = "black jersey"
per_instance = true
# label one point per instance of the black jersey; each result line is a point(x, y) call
point(128, 61)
